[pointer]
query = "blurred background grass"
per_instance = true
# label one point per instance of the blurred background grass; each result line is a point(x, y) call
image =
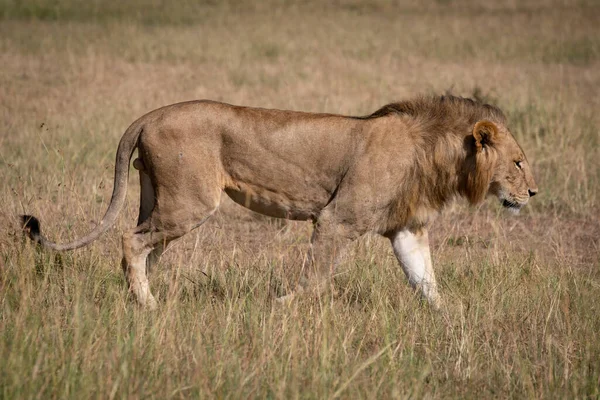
point(522, 293)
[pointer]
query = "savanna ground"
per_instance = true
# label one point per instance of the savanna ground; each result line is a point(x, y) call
point(522, 294)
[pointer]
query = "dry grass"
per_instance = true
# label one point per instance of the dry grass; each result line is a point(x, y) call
point(522, 293)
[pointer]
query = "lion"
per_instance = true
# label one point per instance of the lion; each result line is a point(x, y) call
point(390, 173)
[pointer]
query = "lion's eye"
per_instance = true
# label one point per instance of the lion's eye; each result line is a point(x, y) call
point(518, 164)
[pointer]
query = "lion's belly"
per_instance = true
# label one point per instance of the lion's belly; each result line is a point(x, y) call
point(275, 204)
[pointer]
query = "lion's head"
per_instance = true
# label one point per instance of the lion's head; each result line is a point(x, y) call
point(497, 165)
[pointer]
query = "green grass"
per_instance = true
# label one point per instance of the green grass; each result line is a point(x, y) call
point(521, 294)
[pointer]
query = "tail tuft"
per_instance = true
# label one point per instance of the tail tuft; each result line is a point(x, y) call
point(31, 227)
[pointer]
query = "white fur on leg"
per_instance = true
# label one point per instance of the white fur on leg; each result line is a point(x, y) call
point(412, 251)
point(138, 280)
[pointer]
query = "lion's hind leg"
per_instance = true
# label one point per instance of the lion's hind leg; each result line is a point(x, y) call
point(155, 232)
point(147, 203)
point(136, 248)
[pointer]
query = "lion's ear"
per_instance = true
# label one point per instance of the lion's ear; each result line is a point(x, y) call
point(485, 134)
point(481, 165)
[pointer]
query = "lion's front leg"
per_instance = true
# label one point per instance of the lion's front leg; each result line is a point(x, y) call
point(412, 251)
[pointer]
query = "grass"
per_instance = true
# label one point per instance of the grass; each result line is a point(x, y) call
point(521, 293)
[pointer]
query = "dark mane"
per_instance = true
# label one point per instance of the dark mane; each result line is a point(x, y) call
point(439, 108)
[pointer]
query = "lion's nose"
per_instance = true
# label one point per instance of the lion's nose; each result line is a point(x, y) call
point(532, 192)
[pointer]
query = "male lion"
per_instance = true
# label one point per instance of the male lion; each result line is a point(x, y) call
point(389, 172)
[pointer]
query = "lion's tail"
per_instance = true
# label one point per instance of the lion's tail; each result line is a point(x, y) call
point(127, 145)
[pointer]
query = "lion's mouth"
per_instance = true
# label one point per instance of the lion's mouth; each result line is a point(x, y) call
point(511, 205)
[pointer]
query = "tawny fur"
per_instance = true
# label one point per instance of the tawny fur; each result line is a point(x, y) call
point(388, 173)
